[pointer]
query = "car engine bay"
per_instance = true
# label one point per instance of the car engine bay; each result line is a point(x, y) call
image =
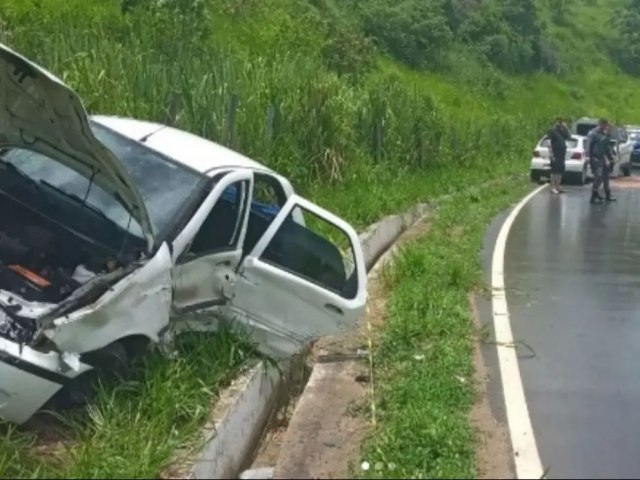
point(42, 262)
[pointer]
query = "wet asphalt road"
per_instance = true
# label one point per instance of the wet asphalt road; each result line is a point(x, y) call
point(572, 273)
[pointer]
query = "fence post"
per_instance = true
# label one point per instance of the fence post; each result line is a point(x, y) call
point(379, 137)
point(454, 143)
point(172, 111)
point(231, 120)
point(268, 128)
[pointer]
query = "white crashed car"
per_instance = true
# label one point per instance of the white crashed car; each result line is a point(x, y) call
point(115, 233)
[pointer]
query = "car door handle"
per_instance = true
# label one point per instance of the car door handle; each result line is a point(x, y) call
point(333, 308)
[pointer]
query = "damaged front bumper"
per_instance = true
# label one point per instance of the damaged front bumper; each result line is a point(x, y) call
point(29, 378)
point(34, 364)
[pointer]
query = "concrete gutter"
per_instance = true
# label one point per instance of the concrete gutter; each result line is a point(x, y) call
point(237, 423)
point(322, 438)
point(377, 238)
point(243, 411)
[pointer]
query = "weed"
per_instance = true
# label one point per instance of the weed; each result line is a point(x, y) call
point(134, 429)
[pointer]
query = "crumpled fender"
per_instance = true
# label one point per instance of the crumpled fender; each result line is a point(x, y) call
point(138, 304)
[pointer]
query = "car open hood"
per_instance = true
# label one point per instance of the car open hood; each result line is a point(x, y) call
point(40, 113)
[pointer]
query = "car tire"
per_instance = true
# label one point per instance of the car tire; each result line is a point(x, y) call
point(535, 176)
point(576, 178)
point(108, 363)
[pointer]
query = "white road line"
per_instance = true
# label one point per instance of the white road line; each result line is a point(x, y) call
point(523, 441)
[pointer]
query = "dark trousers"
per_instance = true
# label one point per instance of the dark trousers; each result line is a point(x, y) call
point(557, 161)
point(600, 175)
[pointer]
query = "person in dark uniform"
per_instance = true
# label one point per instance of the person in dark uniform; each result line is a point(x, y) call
point(601, 160)
point(558, 135)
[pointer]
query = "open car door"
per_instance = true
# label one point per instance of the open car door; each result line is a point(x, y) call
point(300, 281)
point(209, 249)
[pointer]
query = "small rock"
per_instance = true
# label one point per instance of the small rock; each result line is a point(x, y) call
point(263, 473)
point(365, 466)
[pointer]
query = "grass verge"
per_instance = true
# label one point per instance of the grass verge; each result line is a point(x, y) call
point(133, 429)
point(424, 369)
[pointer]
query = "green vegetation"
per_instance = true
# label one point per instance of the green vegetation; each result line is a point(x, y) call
point(368, 107)
point(133, 429)
point(423, 364)
point(625, 45)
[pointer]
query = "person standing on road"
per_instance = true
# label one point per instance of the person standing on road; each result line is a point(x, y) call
point(601, 160)
point(558, 135)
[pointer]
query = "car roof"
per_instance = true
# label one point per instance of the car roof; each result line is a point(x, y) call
point(574, 136)
point(186, 148)
point(587, 120)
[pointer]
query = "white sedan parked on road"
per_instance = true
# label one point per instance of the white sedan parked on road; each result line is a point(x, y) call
point(117, 232)
point(577, 166)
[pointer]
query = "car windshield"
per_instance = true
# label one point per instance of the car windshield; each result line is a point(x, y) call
point(164, 186)
point(633, 136)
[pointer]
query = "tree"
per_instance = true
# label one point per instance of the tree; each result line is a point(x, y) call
point(413, 31)
point(626, 43)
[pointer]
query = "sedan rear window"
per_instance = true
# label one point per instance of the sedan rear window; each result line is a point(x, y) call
point(571, 144)
point(583, 129)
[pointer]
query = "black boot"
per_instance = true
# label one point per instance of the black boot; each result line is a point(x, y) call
point(609, 197)
point(595, 198)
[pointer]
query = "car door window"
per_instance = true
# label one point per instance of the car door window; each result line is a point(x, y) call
point(318, 252)
point(304, 279)
point(223, 225)
point(268, 199)
point(208, 250)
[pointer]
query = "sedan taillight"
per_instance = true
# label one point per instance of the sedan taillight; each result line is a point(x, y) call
point(536, 154)
point(576, 156)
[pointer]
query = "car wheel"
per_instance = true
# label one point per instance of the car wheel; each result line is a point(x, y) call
point(108, 363)
point(535, 177)
point(582, 177)
point(576, 178)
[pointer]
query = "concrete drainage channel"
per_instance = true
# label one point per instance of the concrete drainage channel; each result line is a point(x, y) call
point(249, 407)
point(250, 404)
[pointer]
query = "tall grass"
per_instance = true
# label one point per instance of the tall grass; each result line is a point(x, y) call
point(324, 126)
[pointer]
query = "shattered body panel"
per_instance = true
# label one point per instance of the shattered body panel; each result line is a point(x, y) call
point(137, 305)
point(28, 379)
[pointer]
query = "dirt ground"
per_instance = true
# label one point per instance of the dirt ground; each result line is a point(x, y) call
point(342, 450)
